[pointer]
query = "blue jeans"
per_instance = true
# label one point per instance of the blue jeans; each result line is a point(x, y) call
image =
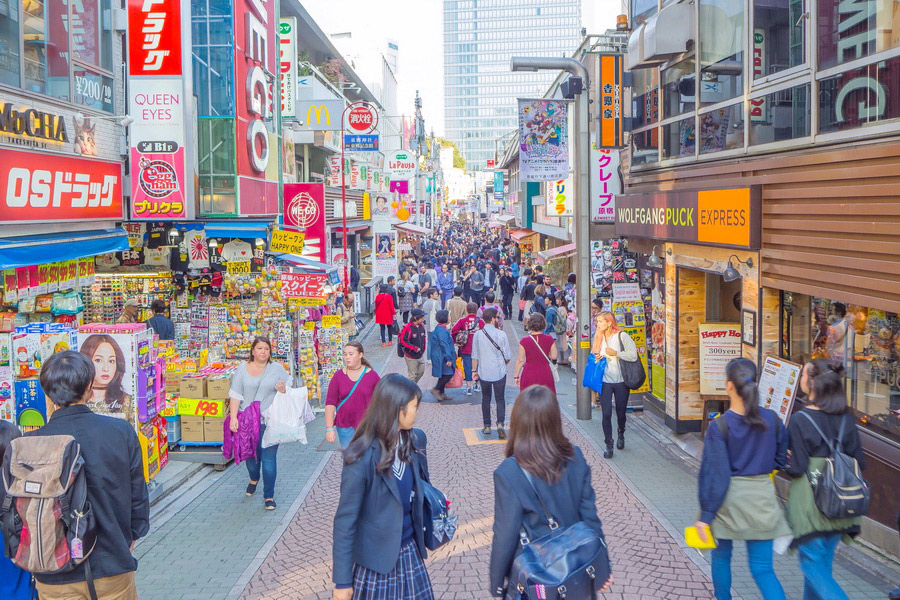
point(816, 560)
point(345, 435)
point(467, 365)
point(266, 456)
point(759, 556)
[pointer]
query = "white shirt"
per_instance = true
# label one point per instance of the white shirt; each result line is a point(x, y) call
point(626, 349)
point(491, 362)
point(237, 251)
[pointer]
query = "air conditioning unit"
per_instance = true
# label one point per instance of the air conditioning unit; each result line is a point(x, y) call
point(664, 36)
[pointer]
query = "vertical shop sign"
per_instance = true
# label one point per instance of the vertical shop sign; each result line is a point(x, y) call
point(157, 101)
point(560, 198)
point(498, 185)
point(256, 68)
point(287, 65)
point(304, 209)
point(606, 183)
point(543, 139)
point(719, 343)
point(758, 105)
point(610, 130)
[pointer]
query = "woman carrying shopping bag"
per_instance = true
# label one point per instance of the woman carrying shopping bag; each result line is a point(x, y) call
point(737, 495)
point(617, 346)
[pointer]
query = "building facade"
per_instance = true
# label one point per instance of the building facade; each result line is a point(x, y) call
point(480, 91)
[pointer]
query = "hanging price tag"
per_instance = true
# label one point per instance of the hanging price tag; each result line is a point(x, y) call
point(201, 408)
point(331, 321)
point(241, 267)
point(309, 325)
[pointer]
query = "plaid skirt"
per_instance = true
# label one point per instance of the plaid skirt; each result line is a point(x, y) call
point(407, 581)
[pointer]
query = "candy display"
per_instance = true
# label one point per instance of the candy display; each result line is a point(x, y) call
point(331, 351)
point(247, 319)
point(308, 363)
point(105, 299)
point(267, 284)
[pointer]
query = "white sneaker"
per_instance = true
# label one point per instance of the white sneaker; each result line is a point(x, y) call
point(477, 387)
point(468, 391)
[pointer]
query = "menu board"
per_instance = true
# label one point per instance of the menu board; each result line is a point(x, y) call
point(719, 344)
point(778, 383)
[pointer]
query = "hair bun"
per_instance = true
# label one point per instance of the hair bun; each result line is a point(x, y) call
point(837, 367)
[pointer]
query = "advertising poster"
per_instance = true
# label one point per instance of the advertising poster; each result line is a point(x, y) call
point(304, 209)
point(778, 383)
point(719, 343)
point(114, 359)
point(561, 198)
point(628, 306)
point(385, 253)
point(287, 65)
point(606, 183)
point(658, 333)
point(543, 139)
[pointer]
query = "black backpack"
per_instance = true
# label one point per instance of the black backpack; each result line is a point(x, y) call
point(840, 491)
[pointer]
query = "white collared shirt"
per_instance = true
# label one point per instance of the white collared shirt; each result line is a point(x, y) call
point(491, 362)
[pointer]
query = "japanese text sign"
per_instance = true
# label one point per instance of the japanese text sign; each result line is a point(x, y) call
point(154, 37)
point(543, 140)
point(606, 183)
point(287, 65)
point(303, 285)
point(610, 133)
point(288, 242)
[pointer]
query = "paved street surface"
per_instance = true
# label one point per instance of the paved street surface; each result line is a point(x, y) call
point(216, 543)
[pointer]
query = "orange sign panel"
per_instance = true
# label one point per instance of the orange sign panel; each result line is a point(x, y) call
point(610, 133)
point(723, 217)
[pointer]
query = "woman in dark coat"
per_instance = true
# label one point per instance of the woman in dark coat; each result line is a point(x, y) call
point(442, 354)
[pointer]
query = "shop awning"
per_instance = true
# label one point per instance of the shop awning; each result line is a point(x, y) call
point(351, 228)
point(558, 252)
point(506, 218)
point(301, 262)
point(410, 228)
point(519, 234)
point(492, 224)
point(239, 229)
point(54, 247)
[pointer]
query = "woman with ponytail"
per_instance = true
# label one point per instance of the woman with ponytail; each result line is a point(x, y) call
point(815, 536)
point(737, 496)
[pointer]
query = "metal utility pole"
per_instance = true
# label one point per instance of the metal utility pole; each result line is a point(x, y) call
point(582, 212)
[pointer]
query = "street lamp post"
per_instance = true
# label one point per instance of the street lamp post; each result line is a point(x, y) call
point(582, 212)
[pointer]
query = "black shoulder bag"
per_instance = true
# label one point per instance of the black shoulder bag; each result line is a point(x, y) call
point(633, 374)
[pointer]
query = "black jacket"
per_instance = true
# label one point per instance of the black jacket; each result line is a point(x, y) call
point(368, 524)
point(163, 326)
point(507, 285)
point(115, 488)
point(569, 501)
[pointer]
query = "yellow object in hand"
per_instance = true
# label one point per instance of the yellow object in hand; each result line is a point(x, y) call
point(692, 538)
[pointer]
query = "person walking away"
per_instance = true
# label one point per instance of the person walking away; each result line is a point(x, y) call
point(737, 495)
point(552, 317)
point(159, 322)
point(469, 269)
point(507, 289)
point(560, 327)
point(412, 341)
point(129, 311)
point(116, 490)
point(514, 268)
point(536, 357)
point(442, 353)
point(490, 357)
point(490, 302)
point(457, 306)
point(816, 536)
point(572, 339)
point(349, 395)
point(616, 345)
point(384, 314)
point(463, 332)
point(539, 460)
point(405, 291)
point(445, 284)
point(253, 389)
point(539, 302)
point(15, 583)
point(431, 305)
point(379, 530)
point(348, 316)
point(392, 290)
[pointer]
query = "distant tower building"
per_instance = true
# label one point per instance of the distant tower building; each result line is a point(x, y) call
point(480, 91)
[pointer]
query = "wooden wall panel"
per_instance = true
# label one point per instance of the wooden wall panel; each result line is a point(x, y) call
point(691, 312)
point(771, 318)
point(671, 337)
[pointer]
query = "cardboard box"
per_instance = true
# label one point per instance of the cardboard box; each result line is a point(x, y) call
point(173, 384)
point(217, 388)
point(193, 387)
point(213, 430)
point(191, 429)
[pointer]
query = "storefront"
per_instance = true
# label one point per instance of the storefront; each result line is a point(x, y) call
point(528, 242)
point(708, 242)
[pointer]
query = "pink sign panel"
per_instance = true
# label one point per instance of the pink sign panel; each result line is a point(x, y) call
point(304, 209)
point(401, 187)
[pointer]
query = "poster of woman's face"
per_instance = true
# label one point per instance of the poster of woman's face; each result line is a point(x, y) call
point(112, 387)
point(384, 245)
point(382, 207)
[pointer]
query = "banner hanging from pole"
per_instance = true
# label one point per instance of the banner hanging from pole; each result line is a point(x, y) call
point(385, 253)
point(543, 140)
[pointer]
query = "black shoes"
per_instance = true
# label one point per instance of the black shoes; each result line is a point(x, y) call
point(251, 488)
point(620, 443)
point(270, 504)
point(609, 450)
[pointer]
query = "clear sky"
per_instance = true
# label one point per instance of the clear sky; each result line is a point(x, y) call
point(417, 27)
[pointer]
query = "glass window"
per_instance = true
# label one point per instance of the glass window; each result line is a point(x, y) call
point(679, 139)
point(722, 129)
point(779, 36)
point(645, 99)
point(678, 88)
point(641, 10)
point(645, 147)
point(780, 116)
point(9, 42)
point(85, 29)
point(851, 29)
point(721, 50)
point(46, 46)
point(859, 97)
point(94, 90)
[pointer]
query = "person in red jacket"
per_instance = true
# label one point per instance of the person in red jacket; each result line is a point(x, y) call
point(384, 314)
point(469, 324)
point(412, 340)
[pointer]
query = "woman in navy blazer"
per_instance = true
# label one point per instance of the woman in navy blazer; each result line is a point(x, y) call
point(560, 475)
point(379, 540)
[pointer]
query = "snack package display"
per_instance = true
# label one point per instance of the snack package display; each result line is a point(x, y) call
point(308, 363)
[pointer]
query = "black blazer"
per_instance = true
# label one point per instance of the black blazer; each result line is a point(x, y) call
point(569, 501)
point(368, 524)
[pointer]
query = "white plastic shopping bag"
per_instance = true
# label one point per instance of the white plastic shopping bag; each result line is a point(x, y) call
point(284, 418)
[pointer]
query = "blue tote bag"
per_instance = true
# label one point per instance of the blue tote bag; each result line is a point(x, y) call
point(593, 373)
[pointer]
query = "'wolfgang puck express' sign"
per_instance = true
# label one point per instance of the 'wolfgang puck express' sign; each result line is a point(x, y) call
point(728, 218)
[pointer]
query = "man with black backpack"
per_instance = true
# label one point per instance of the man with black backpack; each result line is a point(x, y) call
point(100, 510)
point(411, 345)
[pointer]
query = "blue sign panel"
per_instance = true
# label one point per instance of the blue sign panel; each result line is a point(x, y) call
point(361, 143)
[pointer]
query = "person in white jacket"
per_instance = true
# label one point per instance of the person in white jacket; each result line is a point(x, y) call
point(616, 345)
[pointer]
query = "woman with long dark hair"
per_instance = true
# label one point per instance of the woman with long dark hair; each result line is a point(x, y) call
point(737, 496)
point(815, 536)
point(349, 394)
point(253, 389)
point(537, 450)
point(379, 542)
point(109, 396)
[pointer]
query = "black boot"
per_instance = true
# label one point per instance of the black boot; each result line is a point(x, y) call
point(609, 450)
point(620, 443)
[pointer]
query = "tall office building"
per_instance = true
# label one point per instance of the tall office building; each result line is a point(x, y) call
point(480, 91)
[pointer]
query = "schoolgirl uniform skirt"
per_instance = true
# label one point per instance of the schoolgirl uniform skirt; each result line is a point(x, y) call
point(407, 581)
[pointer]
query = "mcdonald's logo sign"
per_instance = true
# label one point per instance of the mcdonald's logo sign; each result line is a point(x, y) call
point(320, 115)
